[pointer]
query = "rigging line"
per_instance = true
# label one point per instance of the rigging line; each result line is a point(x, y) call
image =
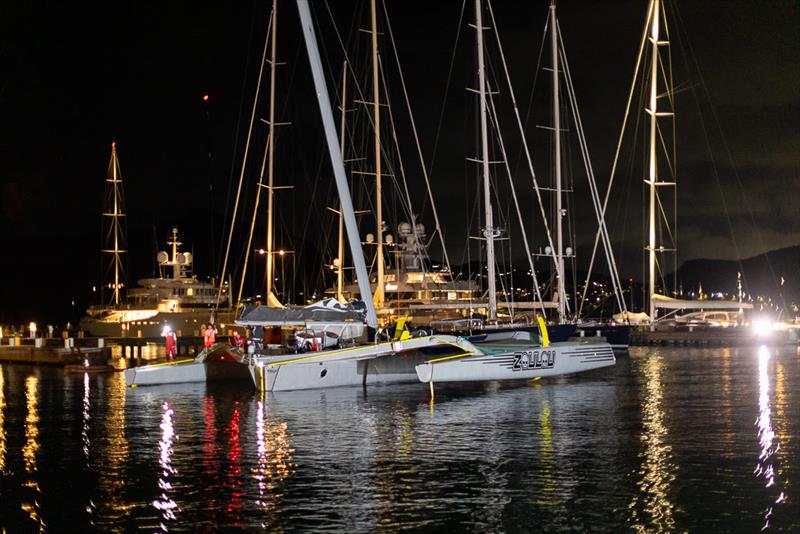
point(237, 132)
point(591, 181)
point(447, 88)
point(524, 140)
point(529, 108)
point(584, 148)
point(622, 130)
point(244, 162)
point(729, 156)
point(252, 226)
point(383, 152)
point(528, 254)
point(407, 205)
point(416, 136)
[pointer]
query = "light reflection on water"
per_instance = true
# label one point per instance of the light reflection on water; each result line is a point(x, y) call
point(657, 471)
point(85, 416)
point(663, 441)
point(165, 504)
point(30, 452)
point(2, 422)
point(765, 467)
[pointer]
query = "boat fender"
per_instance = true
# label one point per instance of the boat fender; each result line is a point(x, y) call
point(543, 331)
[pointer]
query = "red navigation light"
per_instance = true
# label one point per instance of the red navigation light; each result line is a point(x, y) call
point(113, 144)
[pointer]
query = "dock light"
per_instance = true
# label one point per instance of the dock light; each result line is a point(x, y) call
point(762, 326)
point(281, 252)
point(205, 97)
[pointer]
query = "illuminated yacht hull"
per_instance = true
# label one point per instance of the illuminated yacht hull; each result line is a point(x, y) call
point(383, 363)
point(220, 363)
point(176, 299)
point(518, 360)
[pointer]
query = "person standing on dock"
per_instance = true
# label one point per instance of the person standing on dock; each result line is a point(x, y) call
point(171, 344)
point(210, 336)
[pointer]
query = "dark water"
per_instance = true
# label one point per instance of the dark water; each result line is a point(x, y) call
point(668, 440)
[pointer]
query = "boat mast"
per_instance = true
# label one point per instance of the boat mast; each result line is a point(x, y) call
point(652, 177)
point(114, 177)
point(488, 231)
point(362, 277)
point(379, 291)
point(340, 251)
point(559, 255)
point(271, 149)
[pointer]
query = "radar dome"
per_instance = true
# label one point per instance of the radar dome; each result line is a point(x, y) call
point(188, 257)
point(162, 258)
point(370, 238)
point(404, 228)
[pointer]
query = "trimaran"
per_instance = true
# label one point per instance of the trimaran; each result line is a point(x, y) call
point(430, 359)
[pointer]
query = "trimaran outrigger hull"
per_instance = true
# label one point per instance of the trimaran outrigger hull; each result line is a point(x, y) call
point(518, 361)
point(382, 363)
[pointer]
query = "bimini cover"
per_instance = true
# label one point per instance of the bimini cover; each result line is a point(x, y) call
point(325, 311)
point(631, 317)
point(669, 303)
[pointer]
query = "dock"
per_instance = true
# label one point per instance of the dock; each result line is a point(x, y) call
point(712, 337)
point(61, 352)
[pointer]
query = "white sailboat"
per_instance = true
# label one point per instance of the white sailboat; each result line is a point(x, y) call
point(660, 179)
point(516, 357)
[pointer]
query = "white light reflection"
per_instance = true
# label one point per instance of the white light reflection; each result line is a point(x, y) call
point(657, 469)
point(766, 435)
point(165, 504)
point(274, 460)
point(2, 422)
point(87, 405)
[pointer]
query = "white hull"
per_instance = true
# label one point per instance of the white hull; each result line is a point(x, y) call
point(178, 373)
point(519, 362)
point(187, 323)
point(207, 367)
point(383, 363)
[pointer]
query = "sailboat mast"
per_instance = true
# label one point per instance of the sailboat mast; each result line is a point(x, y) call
point(376, 104)
point(270, 164)
point(340, 251)
point(116, 214)
point(559, 255)
point(488, 231)
point(362, 278)
point(652, 174)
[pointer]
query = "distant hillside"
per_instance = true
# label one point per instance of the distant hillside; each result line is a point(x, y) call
point(761, 275)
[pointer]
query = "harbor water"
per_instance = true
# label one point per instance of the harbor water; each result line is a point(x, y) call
point(670, 439)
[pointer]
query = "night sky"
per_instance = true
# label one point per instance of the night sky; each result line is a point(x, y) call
point(75, 76)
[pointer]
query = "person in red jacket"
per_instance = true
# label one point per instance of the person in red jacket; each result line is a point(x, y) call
point(238, 341)
point(171, 344)
point(210, 336)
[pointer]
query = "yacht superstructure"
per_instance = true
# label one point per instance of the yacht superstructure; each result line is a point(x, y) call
point(176, 298)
